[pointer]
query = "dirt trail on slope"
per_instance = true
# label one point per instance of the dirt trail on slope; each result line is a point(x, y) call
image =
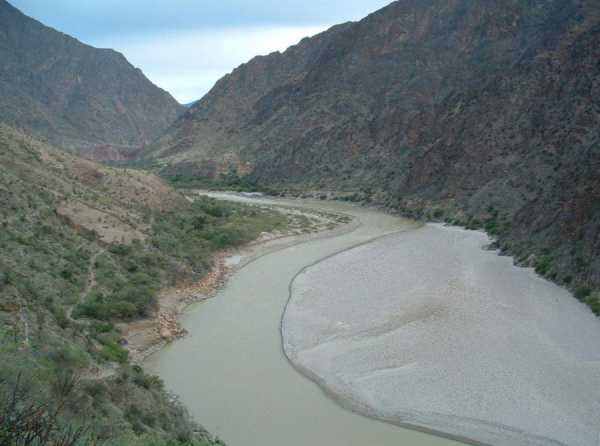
point(90, 284)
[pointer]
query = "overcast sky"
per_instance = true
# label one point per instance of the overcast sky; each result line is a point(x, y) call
point(185, 46)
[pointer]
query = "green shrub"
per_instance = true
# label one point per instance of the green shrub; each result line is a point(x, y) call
point(113, 352)
point(123, 310)
point(102, 327)
point(67, 274)
point(142, 298)
point(147, 381)
point(492, 226)
point(582, 293)
point(120, 250)
point(92, 310)
point(543, 265)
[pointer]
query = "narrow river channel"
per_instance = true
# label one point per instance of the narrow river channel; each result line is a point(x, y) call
point(231, 371)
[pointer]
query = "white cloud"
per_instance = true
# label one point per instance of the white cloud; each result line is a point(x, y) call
point(188, 63)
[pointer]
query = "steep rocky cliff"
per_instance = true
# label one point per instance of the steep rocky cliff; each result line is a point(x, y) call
point(91, 101)
point(486, 113)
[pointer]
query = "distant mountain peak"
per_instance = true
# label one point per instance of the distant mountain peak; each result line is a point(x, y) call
point(73, 95)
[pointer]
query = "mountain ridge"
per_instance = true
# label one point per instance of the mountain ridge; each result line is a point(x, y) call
point(476, 112)
point(90, 101)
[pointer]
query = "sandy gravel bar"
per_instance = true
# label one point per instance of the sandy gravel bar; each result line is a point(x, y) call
point(426, 328)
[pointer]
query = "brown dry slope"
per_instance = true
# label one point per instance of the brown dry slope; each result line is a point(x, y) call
point(486, 113)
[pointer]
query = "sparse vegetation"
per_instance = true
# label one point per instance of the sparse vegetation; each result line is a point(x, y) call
point(179, 247)
point(50, 402)
point(230, 181)
point(53, 263)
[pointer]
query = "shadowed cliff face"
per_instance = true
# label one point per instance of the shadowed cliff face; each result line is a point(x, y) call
point(87, 100)
point(472, 107)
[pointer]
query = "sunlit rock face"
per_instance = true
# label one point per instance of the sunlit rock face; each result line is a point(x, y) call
point(427, 328)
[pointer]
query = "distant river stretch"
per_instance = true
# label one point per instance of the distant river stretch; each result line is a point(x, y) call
point(415, 325)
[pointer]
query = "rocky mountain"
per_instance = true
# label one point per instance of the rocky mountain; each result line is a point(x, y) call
point(87, 100)
point(481, 113)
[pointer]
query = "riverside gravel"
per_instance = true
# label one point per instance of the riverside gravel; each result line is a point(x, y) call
point(426, 328)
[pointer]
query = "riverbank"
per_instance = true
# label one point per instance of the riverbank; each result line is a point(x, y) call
point(143, 338)
point(560, 260)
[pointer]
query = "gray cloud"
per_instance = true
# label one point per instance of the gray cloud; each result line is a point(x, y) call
point(92, 18)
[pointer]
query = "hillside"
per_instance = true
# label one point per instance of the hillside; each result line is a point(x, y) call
point(86, 100)
point(86, 250)
point(477, 113)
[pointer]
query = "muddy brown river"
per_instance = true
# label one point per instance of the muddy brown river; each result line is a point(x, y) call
point(416, 325)
point(231, 371)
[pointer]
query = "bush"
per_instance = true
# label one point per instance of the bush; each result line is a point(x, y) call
point(67, 274)
point(491, 227)
point(141, 299)
point(25, 419)
point(144, 380)
point(543, 265)
point(112, 351)
point(120, 250)
point(93, 309)
point(582, 293)
point(123, 310)
point(102, 327)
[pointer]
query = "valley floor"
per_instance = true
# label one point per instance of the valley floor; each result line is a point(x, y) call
point(418, 326)
point(230, 371)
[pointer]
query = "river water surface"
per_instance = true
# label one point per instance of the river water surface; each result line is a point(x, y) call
point(417, 325)
point(231, 371)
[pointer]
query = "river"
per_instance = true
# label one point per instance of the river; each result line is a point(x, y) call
point(417, 325)
point(231, 371)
